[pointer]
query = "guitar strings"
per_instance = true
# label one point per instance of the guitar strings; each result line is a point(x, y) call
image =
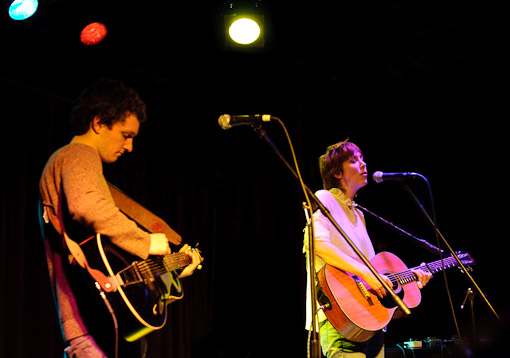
point(408, 276)
point(164, 264)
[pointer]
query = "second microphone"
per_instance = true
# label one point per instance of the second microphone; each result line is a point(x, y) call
point(226, 121)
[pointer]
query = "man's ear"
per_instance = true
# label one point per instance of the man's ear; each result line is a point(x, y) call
point(96, 124)
point(339, 175)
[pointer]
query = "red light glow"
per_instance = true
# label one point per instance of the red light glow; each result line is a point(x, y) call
point(93, 33)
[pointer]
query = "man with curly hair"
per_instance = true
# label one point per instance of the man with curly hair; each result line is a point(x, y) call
point(105, 121)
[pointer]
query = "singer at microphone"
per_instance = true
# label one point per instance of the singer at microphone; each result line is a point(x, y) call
point(344, 173)
point(226, 121)
point(379, 176)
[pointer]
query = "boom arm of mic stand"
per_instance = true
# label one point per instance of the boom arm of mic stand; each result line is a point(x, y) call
point(434, 226)
point(423, 243)
point(398, 301)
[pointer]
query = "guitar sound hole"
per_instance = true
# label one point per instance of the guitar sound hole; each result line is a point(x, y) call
point(387, 301)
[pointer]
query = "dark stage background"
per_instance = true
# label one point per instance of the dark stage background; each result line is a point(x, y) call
point(420, 85)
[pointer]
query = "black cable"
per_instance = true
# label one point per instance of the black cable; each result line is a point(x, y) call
point(114, 317)
point(403, 350)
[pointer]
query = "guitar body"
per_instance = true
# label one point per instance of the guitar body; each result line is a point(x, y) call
point(144, 288)
point(358, 313)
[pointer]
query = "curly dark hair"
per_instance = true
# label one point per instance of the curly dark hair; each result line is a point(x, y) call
point(111, 100)
point(330, 163)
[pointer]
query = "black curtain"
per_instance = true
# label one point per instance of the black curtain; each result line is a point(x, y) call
point(253, 269)
point(419, 87)
point(228, 192)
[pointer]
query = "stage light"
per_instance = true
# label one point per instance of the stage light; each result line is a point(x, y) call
point(244, 26)
point(22, 9)
point(93, 33)
point(244, 31)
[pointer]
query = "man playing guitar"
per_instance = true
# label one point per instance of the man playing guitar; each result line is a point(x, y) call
point(76, 198)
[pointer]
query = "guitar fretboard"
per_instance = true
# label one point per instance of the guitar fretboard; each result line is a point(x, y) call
point(408, 276)
point(162, 264)
point(175, 261)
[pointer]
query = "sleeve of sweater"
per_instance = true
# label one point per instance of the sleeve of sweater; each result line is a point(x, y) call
point(90, 203)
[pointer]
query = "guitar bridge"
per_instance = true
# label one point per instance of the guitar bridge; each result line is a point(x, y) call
point(130, 275)
point(363, 291)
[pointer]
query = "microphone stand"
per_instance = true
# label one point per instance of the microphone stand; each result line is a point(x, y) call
point(314, 350)
point(398, 301)
point(425, 244)
point(470, 295)
point(438, 232)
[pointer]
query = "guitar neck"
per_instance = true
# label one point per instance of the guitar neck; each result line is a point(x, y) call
point(166, 263)
point(439, 265)
point(175, 261)
point(407, 276)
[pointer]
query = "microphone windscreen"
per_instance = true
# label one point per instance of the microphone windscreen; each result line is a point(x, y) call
point(224, 121)
point(378, 176)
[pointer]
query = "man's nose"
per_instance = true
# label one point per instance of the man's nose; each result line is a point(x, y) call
point(128, 146)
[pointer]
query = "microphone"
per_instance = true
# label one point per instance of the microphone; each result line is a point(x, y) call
point(379, 177)
point(227, 121)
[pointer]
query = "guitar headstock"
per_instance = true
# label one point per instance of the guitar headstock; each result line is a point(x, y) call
point(195, 248)
point(465, 258)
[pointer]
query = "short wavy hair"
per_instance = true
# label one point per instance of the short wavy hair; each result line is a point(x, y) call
point(110, 100)
point(330, 163)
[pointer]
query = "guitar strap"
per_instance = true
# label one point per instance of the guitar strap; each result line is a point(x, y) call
point(142, 216)
point(107, 283)
point(129, 207)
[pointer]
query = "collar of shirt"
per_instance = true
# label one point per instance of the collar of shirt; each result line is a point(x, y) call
point(339, 195)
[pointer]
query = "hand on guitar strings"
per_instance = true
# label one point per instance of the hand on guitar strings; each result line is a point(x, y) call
point(159, 244)
point(373, 282)
point(422, 278)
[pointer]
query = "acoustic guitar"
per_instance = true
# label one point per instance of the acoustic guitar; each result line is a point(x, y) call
point(355, 310)
point(142, 288)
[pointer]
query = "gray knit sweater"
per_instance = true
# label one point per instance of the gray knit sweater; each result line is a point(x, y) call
point(76, 172)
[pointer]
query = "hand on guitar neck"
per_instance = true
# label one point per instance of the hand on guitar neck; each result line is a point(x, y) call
point(423, 277)
point(195, 257)
point(159, 246)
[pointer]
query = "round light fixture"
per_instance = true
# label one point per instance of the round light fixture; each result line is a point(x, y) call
point(93, 33)
point(244, 31)
point(22, 9)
